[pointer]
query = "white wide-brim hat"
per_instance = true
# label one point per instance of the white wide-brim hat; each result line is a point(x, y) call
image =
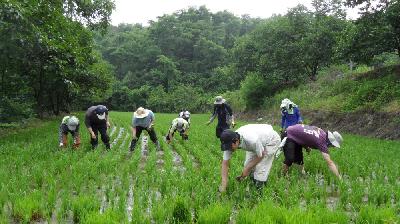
point(285, 103)
point(335, 138)
point(141, 113)
point(219, 100)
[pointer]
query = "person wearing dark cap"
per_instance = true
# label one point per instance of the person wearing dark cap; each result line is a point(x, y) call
point(260, 142)
point(225, 116)
point(96, 120)
point(299, 136)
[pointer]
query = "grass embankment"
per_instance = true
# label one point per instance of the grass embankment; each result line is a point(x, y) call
point(340, 90)
point(40, 182)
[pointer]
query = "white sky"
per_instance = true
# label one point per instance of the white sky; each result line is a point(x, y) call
point(141, 11)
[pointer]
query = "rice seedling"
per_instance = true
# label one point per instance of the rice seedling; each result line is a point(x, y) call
point(41, 183)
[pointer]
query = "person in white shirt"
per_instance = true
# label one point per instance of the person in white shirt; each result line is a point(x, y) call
point(260, 142)
point(178, 124)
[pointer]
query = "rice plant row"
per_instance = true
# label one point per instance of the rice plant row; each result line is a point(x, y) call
point(41, 183)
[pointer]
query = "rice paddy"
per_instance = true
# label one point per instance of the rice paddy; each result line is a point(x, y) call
point(41, 183)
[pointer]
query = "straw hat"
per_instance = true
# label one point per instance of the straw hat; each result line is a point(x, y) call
point(141, 113)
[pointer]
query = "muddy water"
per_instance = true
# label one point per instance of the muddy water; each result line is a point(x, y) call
point(103, 196)
point(160, 160)
point(130, 200)
point(177, 160)
point(114, 128)
point(119, 136)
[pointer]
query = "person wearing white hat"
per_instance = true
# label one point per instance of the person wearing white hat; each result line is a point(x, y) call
point(143, 119)
point(299, 136)
point(69, 124)
point(185, 114)
point(225, 116)
point(96, 120)
point(290, 114)
point(178, 124)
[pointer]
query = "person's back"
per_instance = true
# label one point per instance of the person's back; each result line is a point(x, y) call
point(254, 134)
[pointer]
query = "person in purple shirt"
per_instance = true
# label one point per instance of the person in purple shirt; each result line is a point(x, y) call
point(299, 136)
point(290, 114)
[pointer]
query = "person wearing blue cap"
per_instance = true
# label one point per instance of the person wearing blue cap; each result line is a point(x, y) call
point(96, 120)
point(260, 142)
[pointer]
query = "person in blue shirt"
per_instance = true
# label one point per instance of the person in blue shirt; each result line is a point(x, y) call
point(290, 114)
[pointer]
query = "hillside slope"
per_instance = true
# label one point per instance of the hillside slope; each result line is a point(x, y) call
point(363, 102)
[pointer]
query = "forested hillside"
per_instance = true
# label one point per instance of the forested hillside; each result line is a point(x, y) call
point(59, 56)
point(184, 59)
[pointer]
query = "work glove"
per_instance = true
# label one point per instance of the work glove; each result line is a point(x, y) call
point(233, 124)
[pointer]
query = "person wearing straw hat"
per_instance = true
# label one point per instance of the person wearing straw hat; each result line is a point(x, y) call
point(96, 120)
point(299, 136)
point(69, 124)
point(225, 116)
point(178, 124)
point(143, 119)
point(260, 142)
point(290, 114)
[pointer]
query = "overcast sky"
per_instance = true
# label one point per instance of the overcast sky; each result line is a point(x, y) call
point(141, 11)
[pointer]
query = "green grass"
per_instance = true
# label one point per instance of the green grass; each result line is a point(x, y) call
point(40, 182)
point(340, 90)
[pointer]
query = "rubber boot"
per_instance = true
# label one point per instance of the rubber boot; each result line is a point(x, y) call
point(64, 140)
point(77, 142)
point(133, 145)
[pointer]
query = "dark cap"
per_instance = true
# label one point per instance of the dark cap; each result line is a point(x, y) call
point(227, 138)
point(101, 109)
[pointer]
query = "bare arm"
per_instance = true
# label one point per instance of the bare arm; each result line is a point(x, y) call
point(133, 132)
point(331, 165)
point(224, 175)
point(91, 132)
point(250, 166)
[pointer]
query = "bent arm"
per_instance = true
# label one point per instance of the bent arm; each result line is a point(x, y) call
point(331, 164)
point(133, 129)
point(250, 166)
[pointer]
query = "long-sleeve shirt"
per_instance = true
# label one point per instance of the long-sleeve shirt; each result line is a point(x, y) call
point(175, 125)
point(290, 118)
point(224, 113)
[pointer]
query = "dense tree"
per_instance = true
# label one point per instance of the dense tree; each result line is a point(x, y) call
point(47, 57)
